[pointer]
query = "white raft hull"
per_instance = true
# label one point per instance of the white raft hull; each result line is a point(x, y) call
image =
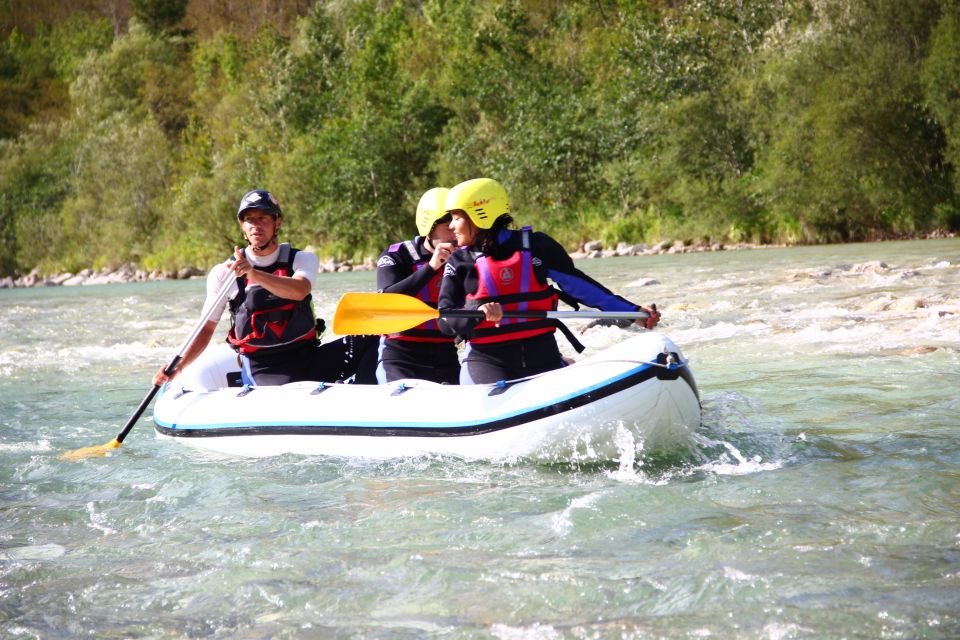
point(601, 408)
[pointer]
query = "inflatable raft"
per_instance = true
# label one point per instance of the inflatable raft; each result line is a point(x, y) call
point(639, 393)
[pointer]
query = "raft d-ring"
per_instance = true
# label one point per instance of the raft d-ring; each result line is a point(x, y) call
point(498, 387)
point(401, 388)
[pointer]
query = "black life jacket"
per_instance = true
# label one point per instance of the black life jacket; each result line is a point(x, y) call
point(428, 331)
point(260, 320)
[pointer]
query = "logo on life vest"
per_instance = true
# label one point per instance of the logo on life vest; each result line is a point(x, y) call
point(278, 327)
point(506, 275)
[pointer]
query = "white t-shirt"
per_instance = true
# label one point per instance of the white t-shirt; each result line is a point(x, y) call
point(305, 264)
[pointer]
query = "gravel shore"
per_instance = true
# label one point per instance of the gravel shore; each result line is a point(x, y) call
point(131, 273)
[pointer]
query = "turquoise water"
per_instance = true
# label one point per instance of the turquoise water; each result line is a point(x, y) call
point(819, 500)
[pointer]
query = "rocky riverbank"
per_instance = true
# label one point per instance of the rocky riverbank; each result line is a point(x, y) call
point(595, 248)
point(125, 273)
point(131, 273)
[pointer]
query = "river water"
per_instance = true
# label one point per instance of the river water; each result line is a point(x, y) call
point(819, 499)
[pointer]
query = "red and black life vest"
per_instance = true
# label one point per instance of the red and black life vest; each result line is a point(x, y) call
point(513, 283)
point(260, 320)
point(428, 331)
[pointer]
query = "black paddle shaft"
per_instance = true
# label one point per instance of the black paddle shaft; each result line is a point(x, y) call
point(146, 400)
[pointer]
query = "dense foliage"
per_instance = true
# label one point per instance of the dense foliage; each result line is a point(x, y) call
point(131, 135)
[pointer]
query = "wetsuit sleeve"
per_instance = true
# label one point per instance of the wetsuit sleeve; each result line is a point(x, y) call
point(215, 279)
point(453, 294)
point(307, 265)
point(395, 276)
point(572, 281)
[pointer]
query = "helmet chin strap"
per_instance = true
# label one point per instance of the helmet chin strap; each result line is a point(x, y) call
point(268, 244)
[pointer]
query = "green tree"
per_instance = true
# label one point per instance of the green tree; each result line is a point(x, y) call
point(140, 74)
point(120, 179)
point(35, 71)
point(159, 16)
point(235, 141)
point(34, 181)
point(848, 148)
point(680, 156)
point(627, 119)
point(523, 112)
point(941, 71)
point(364, 131)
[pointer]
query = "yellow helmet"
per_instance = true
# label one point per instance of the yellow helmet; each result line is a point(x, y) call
point(484, 200)
point(430, 209)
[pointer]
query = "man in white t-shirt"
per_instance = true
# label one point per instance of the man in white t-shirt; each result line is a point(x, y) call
point(273, 327)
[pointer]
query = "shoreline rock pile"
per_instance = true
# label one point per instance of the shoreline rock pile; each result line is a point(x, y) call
point(589, 250)
point(125, 273)
point(594, 248)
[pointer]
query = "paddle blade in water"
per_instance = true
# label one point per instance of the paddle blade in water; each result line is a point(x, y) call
point(90, 452)
point(377, 313)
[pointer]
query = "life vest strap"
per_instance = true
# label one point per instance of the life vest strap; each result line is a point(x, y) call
point(569, 335)
point(510, 298)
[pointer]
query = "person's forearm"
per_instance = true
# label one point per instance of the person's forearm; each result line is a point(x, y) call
point(199, 344)
point(589, 292)
point(291, 288)
point(410, 285)
point(191, 353)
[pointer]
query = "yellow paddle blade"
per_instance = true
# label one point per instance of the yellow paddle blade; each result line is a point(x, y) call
point(89, 452)
point(376, 313)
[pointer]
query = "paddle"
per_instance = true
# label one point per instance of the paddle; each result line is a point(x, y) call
point(103, 449)
point(376, 313)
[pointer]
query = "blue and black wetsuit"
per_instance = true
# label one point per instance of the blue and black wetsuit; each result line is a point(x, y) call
point(515, 349)
point(422, 352)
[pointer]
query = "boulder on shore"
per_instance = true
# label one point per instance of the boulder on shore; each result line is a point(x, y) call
point(188, 272)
